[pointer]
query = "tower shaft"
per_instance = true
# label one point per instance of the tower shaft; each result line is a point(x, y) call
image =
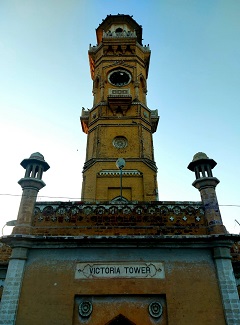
point(119, 124)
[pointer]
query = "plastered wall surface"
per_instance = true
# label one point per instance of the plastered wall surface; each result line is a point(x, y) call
point(190, 285)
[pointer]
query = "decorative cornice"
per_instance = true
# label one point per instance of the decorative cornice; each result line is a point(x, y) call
point(116, 173)
point(145, 241)
point(150, 163)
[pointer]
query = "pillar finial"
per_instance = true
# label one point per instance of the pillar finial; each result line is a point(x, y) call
point(206, 184)
point(31, 183)
point(35, 165)
point(202, 165)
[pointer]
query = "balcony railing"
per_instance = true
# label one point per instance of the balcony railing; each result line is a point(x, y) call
point(122, 34)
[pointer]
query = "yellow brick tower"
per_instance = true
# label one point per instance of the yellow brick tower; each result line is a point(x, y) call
point(119, 125)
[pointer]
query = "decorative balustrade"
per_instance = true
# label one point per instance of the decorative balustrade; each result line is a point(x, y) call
point(122, 34)
point(94, 48)
point(145, 48)
point(153, 218)
point(154, 113)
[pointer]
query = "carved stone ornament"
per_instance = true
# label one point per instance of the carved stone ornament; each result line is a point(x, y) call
point(155, 309)
point(85, 308)
point(120, 142)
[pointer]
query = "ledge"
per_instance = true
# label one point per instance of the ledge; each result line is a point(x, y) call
point(204, 241)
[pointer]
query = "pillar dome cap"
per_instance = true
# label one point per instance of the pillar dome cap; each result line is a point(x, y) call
point(37, 155)
point(201, 158)
point(200, 155)
point(37, 158)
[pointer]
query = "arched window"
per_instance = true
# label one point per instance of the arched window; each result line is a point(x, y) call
point(96, 82)
point(119, 199)
point(143, 83)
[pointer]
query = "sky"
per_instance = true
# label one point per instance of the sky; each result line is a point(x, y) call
point(193, 81)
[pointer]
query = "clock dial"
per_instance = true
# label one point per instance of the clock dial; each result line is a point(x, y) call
point(119, 78)
point(120, 142)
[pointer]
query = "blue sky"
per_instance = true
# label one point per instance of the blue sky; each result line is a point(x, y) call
point(193, 81)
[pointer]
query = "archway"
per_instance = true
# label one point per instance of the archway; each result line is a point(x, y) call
point(119, 199)
point(120, 320)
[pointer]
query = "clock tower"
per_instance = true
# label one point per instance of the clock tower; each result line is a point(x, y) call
point(120, 124)
point(143, 261)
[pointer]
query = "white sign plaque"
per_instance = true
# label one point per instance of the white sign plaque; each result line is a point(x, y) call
point(100, 270)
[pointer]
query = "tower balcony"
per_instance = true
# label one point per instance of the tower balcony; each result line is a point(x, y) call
point(94, 48)
point(119, 100)
point(84, 118)
point(154, 120)
point(122, 34)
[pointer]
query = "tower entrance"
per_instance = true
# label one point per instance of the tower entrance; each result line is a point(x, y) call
point(118, 309)
point(120, 320)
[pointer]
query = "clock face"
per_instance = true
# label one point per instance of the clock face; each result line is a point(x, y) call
point(120, 142)
point(119, 78)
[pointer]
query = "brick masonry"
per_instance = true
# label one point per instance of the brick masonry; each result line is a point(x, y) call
point(12, 288)
point(227, 284)
point(5, 252)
